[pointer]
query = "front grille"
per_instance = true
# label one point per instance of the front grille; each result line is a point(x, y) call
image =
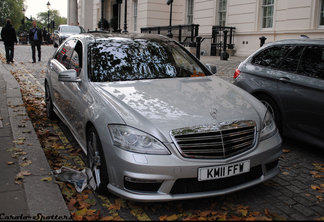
point(192, 185)
point(215, 142)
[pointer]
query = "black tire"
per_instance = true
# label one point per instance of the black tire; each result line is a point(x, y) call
point(273, 109)
point(96, 161)
point(49, 104)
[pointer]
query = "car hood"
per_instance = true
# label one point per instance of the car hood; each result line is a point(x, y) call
point(166, 104)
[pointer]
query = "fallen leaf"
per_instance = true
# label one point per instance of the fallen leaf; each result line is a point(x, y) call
point(10, 163)
point(243, 212)
point(25, 163)
point(314, 187)
point(48, 179)
point(107, 218)
point(285, 150)
point(71, 204)
point(172, 217)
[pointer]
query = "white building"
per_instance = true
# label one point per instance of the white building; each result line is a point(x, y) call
point(274, 19)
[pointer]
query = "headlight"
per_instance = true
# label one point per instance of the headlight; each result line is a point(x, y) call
point(268, 126)
point(134, 140)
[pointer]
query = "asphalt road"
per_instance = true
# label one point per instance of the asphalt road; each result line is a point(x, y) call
point(295, 194)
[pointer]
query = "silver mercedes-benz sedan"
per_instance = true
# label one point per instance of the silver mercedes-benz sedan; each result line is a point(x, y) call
point(155, 123)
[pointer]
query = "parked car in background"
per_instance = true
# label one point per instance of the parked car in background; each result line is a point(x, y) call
point(288, 77)
point(65, 31)
point(155, 123)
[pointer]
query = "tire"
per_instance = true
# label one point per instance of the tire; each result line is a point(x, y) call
point(49, 104)
point(271, 105)
point(96, 161)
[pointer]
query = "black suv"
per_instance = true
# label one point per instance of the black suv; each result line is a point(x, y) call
point(288, 77)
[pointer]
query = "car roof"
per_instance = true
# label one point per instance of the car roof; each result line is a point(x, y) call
point(100, 35)
point(301, 41)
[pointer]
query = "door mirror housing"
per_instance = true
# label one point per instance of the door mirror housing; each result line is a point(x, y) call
point(212, 68)
point(69, 75)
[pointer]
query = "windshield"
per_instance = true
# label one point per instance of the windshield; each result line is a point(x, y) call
point(121, 59)
point(71, 29)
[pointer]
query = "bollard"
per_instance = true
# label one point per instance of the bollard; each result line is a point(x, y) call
point(224, 54)
point(198, 43)
point(262, 40)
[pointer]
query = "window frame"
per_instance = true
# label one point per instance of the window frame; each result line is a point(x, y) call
point(190, 12)
point(321, 14)
point(135, 14)
point(222, 12)
point(267, 20)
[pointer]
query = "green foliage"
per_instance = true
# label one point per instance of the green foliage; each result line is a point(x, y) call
point(42, 18)
point(11, 9)
point(106, 24)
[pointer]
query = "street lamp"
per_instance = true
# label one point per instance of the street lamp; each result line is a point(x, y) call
point(48, 7)
point(23, 21)
point(169, 2)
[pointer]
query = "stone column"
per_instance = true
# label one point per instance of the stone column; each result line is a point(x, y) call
point(72, 18)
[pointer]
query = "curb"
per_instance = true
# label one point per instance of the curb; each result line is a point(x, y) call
point(44, 198)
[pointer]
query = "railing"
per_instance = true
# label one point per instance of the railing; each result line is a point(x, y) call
point(218, 38)
point(185, 34)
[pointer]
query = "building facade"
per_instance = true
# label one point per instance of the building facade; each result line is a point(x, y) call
point(252, 19)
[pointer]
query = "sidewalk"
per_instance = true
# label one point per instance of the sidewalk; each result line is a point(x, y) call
point(24, 193)
point(225, 68)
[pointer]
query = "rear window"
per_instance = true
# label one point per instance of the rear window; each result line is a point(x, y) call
point(123, 59)
point(272, 56)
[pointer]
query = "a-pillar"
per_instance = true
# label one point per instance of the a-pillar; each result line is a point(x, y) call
point(72, 18)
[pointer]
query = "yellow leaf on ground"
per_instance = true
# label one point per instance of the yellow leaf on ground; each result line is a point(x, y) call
point(172, 217)
point(46, 179)
point(314, 187)
point(107, 218)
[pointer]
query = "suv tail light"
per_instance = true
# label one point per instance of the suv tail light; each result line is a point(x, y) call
point(237, 73)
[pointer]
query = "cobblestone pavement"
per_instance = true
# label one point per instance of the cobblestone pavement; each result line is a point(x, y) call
point(295, 194)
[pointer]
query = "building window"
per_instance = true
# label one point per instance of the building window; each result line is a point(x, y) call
point(267, 17)
point(222, 5)
point(135, 14)
point(190, 4)
point(322, 13)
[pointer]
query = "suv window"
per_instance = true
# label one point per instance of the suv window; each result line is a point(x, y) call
point(270, 57)
point(312, 62)
point(291, 61)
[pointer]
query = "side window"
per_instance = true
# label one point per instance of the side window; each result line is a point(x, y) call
point(65, 52)
point(271, 57)
point(76, 59)
point(312, 62)
point(291, 61)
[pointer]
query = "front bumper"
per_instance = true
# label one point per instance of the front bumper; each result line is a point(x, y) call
point(151, 178)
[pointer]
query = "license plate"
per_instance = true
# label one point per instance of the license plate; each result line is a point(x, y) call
point(216, 172)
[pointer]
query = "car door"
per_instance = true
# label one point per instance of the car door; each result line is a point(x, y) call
point(60, 63)
point(301, 90)
point(76, 93)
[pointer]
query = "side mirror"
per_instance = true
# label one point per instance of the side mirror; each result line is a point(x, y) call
point(69, 75)
point(211, 68)
point(56, 32)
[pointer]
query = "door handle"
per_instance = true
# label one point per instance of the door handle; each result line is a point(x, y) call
point(284, 79)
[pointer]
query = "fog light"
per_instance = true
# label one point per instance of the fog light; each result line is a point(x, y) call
point(142, 185)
